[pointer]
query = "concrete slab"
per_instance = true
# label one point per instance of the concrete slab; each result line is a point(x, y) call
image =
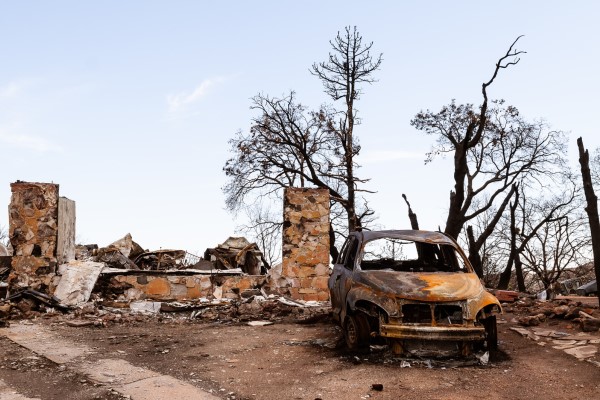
point(164, 388)
point(116, 371)
point(41, 341)
point(582, 352)
point(77, 281)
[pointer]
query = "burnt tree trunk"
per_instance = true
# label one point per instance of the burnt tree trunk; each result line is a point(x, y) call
point(513, 257)
point(474, 256)
point(476, 245)
point(519, 273)
point(592, 207)
point(455, 221)
point(333, 251)
point(414, 223)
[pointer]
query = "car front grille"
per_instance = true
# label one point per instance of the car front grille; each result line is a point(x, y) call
point(432, 314)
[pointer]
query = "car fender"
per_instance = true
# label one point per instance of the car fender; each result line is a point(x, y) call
point(476, 304)
point(364, 293)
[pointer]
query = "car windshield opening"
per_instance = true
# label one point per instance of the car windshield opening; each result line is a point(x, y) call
point(408, 256)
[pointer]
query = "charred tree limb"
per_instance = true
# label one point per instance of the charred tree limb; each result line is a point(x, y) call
point(474, 256)
point(414, 223)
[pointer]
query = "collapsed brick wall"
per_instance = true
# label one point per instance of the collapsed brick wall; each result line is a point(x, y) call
point(306, 243)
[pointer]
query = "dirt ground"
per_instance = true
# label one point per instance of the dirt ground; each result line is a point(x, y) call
point(299, 361)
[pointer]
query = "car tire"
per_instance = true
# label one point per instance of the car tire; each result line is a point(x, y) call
point(491, 332)
point(357, 332)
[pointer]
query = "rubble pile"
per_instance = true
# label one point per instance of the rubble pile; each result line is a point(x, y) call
point(531, 312)
point(119, 254)
point(161, 260)
point(237, 252)
point(248, 308)
point(47, 273)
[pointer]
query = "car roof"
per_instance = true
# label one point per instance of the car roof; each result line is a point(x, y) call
point(413, 235)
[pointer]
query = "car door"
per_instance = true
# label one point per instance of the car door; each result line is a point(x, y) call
point(340, 281)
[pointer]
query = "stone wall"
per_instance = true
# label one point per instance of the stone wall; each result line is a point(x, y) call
point(39, 225)
point(306, 243)
point(33, 232)
point(167, 287)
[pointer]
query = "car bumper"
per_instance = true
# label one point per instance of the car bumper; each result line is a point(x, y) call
point(412, 332)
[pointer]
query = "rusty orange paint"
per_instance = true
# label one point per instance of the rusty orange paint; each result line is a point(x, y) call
point(443, 287)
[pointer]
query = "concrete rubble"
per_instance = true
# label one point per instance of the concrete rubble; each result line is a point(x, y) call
point(580, 345)
point(565, 325)
point(77, 281)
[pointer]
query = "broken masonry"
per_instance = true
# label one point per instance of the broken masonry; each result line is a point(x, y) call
point(47, 264)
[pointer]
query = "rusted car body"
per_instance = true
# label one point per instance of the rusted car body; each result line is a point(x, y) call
point(413, 288)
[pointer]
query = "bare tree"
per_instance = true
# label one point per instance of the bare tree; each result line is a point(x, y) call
point(592, 206)
point(264, 228)
point(532, 210)
point(555, 247)
point(348, 67)
point(460, 129)
point(494, 148)
point(475, 245)
point(289, 145)
point(491, 256)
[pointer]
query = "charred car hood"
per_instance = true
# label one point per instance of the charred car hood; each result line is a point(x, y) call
point(438, 286)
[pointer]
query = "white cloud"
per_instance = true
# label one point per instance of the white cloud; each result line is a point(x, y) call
point(28, 142)
point(181, 100)
point(15, 88)
point(381, 156)
point(10, 90)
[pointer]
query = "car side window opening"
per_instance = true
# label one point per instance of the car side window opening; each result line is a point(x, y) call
point(343, 252)
point(409, 256)
point(350, 255)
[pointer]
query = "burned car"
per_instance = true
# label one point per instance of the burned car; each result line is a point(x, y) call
point(414, 289)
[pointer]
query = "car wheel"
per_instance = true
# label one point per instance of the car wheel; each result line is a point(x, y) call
point(356, 332)
point(491, 332)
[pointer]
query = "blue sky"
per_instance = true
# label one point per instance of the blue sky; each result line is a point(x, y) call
point(129, 105)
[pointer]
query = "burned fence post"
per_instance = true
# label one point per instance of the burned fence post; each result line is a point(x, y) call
point(306, 243)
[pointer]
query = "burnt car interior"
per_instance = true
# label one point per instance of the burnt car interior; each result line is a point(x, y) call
point(407, 256)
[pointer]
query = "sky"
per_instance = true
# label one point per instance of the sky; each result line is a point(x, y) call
point(129, 105)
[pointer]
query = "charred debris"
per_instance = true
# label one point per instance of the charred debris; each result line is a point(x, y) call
point(43, 272)
point(123, 282)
